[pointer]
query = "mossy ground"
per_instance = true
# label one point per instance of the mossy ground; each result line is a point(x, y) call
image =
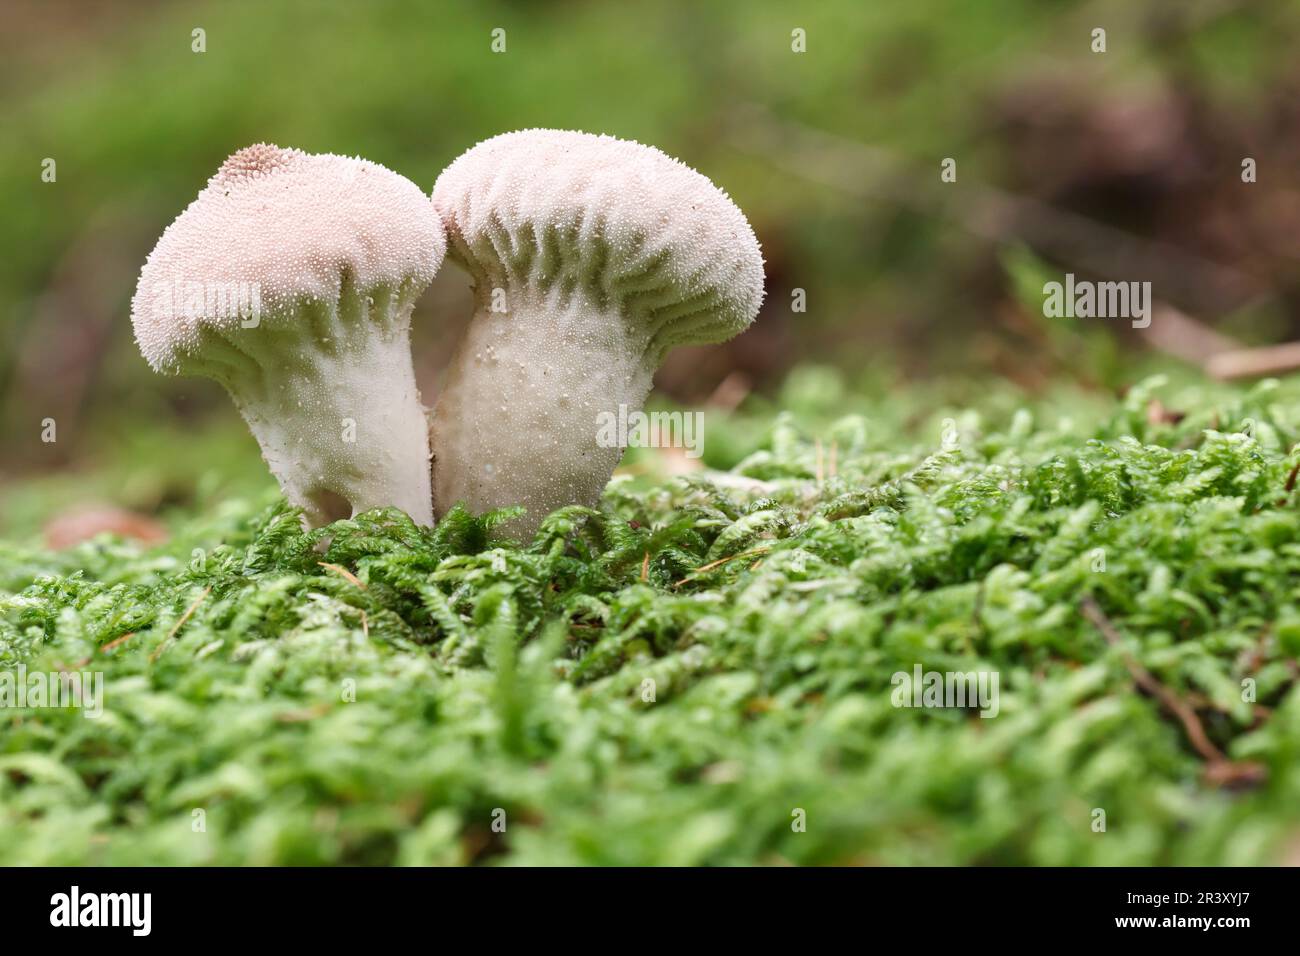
point(376, 693)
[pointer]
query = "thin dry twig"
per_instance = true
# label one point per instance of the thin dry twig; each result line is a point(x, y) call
point(1175, 333)
point(1290, 479)
point(1219, 769)
point(189, 611)
point(731, 391)
point(343, 572)
point(719, 563)
point(303, 714)
point(1253, 363)
point(116, 642)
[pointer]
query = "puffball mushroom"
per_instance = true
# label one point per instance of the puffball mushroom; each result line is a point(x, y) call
point(290, 280)
point(591, 257)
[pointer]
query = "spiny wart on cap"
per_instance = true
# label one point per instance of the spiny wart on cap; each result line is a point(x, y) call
point(591, 256)
point(252, 161)
point(623, 225)
point(290, 280)
point(295, 228)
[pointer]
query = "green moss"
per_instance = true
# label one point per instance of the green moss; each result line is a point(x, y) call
point(314, 719)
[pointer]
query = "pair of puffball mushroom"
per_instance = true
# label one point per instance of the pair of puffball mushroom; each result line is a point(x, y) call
point(291, 279)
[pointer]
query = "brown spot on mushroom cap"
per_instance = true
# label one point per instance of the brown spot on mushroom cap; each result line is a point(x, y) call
point(624, 225)
point(294, 226)
point(253, 161)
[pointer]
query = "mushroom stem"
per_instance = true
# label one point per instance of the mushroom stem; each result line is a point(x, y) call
point(334, 405)
point(517, 421)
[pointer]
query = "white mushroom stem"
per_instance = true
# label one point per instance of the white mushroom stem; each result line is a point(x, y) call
point(334, 405)
point(518, 419)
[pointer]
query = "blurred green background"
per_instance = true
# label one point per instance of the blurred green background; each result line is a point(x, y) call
point(1122, 165)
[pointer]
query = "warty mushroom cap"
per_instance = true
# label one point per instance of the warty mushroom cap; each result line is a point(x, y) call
point(630, 228)
point(294, 226)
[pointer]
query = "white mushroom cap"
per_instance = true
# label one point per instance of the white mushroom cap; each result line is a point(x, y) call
point(294, 226)
point(630, 228)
